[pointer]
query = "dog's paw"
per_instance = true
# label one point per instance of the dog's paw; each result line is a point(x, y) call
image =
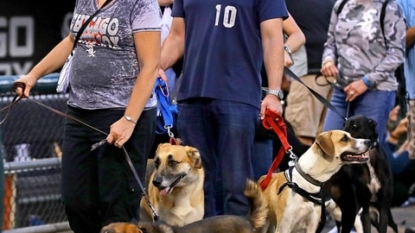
point(121, 227)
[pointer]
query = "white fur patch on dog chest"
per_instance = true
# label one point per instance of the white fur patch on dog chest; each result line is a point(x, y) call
point(374, 184)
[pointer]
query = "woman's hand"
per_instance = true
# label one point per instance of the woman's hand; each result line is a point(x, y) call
point(29, 81)
point(329, 69)
point(287, 59)
point(120, 132)
point(354, 89)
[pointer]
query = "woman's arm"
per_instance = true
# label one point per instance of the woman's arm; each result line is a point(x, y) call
point(148, 54)
point(394, 35)
point(330, 50)
point(147, 45)
point(51, 62)
point(296, 37)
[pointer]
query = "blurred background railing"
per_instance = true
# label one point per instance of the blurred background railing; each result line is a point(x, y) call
point(31, 138)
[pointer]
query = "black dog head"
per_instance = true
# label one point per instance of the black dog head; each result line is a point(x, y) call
point(360, 126)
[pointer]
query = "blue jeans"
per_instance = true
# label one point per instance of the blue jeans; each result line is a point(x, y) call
point(373, 104)
point(223, 132)
point(98, 187)
point(263, 156)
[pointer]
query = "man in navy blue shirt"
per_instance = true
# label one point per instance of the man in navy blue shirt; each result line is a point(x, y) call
point(224, 44)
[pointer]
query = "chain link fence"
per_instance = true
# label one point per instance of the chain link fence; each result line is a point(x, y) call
point(31, 138)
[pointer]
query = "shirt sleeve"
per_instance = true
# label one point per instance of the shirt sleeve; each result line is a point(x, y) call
point(395, 35)
point(146, 16)
point(330, 51)
point(178, 10)
point(270, 9)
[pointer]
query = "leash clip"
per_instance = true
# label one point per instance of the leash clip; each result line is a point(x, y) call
point(293, 157)
point(169, 132)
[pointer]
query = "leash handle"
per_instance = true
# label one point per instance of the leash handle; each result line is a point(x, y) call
point(274, 121)
point(316, 94)
point(20, 85)
point(16, 99)
point(166, 108)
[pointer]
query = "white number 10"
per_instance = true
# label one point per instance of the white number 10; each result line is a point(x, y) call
point(228, 17)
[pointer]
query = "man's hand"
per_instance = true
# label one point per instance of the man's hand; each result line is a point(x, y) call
point(272, 103)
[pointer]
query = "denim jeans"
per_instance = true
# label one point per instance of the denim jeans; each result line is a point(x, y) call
point(98, 187)
point(263, 156)
point(223, 132)
point(373, 104)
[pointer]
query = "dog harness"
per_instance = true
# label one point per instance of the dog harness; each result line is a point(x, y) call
point(316, 198)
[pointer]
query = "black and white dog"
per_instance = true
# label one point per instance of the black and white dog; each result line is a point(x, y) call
point(368, 187)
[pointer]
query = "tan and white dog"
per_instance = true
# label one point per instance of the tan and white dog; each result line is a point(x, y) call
point(288, 210)
point(175, 187)
point(216, 224)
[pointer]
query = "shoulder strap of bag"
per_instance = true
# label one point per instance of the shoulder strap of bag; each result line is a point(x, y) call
point(81, 30)
point(382, 16)
point(341, 5)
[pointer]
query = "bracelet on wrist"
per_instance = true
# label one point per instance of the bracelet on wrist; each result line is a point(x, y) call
point(128, 118)
point(366, 81)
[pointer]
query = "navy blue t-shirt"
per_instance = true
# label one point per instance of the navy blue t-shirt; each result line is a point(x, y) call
point(223, 48)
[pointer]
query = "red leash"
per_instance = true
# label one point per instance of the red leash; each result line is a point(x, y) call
point(274, 121)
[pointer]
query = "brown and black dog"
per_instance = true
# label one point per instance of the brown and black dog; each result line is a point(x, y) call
point(175, 187)
point(217, 224)
point(289, 209)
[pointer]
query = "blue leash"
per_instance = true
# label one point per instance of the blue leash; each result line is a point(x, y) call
point(165, 120)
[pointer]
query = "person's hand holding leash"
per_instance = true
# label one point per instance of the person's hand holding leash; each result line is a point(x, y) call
point(163, 75)
point(121, 131)
point(329, 69)
point(354, 89)
point(272, 103)
point(29, 81)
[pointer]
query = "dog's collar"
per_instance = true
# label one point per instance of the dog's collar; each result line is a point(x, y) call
point(316, 198)
point(306, 176)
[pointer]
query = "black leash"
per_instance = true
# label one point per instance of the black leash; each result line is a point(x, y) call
point(322, 99)
point(17, 98)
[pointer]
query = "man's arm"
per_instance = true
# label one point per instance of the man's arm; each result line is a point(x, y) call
point(410, 36)
point(165, 2)
point(173, 46)
point(273, 46)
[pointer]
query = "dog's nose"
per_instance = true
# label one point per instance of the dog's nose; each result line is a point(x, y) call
point(157, 181)
point(368, 142)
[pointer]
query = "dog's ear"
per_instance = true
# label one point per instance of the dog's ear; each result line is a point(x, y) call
point(325, 143)
point(194, 155)
point(372, 122)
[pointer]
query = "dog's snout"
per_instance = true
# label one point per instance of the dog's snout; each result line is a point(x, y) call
point(368, 142)
point(157, 181)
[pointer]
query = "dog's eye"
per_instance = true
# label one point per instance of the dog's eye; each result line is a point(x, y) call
point(157, 162)
point(173, 163)
point(344, 138)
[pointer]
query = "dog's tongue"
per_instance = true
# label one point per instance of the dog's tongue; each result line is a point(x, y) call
point(164, 191)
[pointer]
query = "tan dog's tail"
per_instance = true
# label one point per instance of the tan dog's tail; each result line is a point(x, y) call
point(259, 205)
